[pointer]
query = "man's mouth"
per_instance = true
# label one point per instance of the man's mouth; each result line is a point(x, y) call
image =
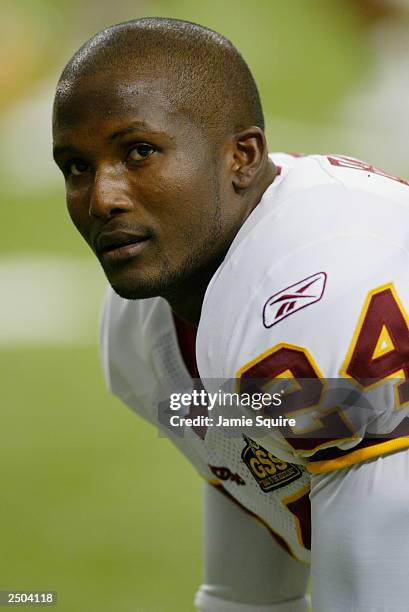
point(119, 245)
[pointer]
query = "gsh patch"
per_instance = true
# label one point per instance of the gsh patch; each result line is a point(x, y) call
point(269, 471)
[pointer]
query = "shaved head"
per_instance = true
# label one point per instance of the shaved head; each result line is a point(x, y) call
point(202, 74)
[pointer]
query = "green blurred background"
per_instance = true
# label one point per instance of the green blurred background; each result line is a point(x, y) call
point(94, 504)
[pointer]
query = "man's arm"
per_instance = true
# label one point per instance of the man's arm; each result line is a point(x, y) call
point(245, 569)
point(360, 537)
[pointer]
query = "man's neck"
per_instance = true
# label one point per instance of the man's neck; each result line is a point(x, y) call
point(187, 302)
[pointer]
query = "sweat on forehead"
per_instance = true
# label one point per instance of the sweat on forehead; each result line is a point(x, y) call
point(199, 71)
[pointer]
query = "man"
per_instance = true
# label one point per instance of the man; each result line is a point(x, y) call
point(291, 268)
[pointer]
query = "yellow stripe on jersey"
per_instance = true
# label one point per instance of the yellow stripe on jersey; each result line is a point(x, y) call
point(357, 456)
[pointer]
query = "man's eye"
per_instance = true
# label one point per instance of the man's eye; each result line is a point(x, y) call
point(77, 168)
point(140, 151)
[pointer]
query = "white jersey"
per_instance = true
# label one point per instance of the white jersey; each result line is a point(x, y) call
point(315, 285)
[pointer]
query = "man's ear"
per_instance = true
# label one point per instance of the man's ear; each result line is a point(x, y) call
point(249, 156)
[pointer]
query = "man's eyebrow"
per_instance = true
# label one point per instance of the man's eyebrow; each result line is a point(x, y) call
point(134, 125)
point(137, 124)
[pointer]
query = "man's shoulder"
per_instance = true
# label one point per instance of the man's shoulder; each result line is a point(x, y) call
point(315, 199)
point(312, 201)
point(302, 266)
point(129, 332)
point(303, 172)
point(119, 313)
point(123, 321)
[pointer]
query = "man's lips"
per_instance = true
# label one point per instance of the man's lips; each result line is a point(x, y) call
point(119, 244)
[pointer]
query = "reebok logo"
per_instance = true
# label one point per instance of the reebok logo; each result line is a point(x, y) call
point(293, 298)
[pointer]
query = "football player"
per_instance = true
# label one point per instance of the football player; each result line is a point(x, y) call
point(227, 264)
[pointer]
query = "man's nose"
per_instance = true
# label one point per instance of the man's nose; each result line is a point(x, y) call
point(110, 194)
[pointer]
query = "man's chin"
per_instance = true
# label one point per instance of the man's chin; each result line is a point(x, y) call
point(132, 287)
point(136, 292)
point(136, 286)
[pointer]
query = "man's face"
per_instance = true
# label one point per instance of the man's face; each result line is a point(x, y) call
point(143, 183)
